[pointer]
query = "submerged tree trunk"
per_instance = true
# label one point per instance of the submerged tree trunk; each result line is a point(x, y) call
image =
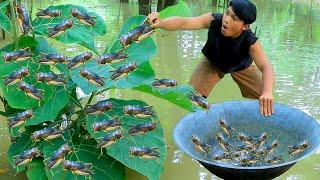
point(170, 2)
point(223, 3)
point(144, 6)
point(124, 1)
point(214, 2)
point(125, 11)
point(162, 4)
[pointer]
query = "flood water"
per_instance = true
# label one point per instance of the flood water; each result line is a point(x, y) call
point(289, 31)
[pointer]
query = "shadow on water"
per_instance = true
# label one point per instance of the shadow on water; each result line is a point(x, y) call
point(288, 30)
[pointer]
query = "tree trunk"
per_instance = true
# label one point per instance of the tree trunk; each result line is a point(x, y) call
point(125, 11)
point(168, 3)
point(124, 1)
point(214, 2)
point(144, 7)
point(162, 4)
point(7, 13)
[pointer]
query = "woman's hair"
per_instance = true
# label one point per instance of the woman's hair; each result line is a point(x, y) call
point(245, 10)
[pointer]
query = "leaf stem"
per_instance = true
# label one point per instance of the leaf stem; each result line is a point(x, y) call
point(2, 100)
point(90, 98)
point(2, 113)
point(14, 19)
point(95, 93)
point(103, 90)
point(30, 15)
point(77, 103)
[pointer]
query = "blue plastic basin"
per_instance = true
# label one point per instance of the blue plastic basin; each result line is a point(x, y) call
point(288, 125)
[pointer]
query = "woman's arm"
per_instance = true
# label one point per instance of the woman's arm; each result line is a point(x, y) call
point(181, 23)
point(261, 60)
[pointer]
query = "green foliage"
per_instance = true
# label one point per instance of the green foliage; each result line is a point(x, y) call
point(181, 9)
point(120, 150)
point(36, 170)
point(104, 167)
point(140, 53)
point(79, 33)
point(177, 95)
point(62, 109)
point(23, 143)
point(5, 22)
point(143, 73)
point(3, 6)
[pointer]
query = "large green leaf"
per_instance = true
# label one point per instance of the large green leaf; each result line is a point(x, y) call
point(55, 97)
point(3, 6)
point(152, 168)
point(181, 9)
point(137, 52)
point(17, 98)
point(90, 45)
point(141, 75)
point(36, 170)
point(23, 143)
point(47, 112)
point(5, 22)
point(23, 42)
point(50, 109)
point(80, 33)
point(104, 168)
point(130, 24)
point(43, 46)
point(147, 46)
point(177, 95)
point(27, 41)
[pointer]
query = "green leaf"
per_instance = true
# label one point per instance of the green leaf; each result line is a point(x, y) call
point(27, 41)
point(152, 168)
point(15, 97)
point(104, 168)
point(23, 143)
point(8, 47)
point(3, 6)
point(50, 110)
point(181, 9)
point(90, 45)
point(36, 170)
point(55, 97)
point(5, 23)
point(141, 75)
point(177, 95)
point(47, 112)
point(131, 23)
point(43, 46)
point(140, 53)
point(79, 33)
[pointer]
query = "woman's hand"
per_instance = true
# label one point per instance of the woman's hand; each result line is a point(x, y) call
point(266, 104)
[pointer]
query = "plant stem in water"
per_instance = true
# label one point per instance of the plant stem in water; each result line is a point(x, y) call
point(14, 19)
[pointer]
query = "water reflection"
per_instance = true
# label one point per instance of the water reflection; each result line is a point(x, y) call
point(177, 156)
point(295, 177)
